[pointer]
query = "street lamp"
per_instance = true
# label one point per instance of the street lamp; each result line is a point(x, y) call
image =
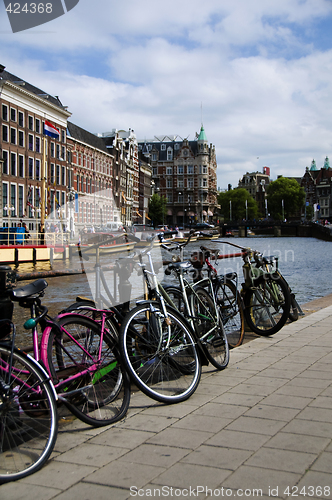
point(180, 193)
point(230, 210)
point(283, 210)
point(246, 210)
point(71, 199)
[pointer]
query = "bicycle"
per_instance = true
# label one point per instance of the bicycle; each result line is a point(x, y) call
point(265, 295)
point(82, 360)
point(28, 410)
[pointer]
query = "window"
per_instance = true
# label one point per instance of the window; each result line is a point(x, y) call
point(155, 171)
point(154, 157)
point(13, 135)
point(21, 166)
point(205, 183)
point(5, 133)
point(58, 151)
point(5, 112)
point(204, 169)
point(63, 153)
point(5, 162)
point(31, 142)
point(4, 198)
point(21, 138)
point(180, 198)
point(190, 169)
point(190, 182)
point(58, 174)
point(169, 197)
point(82, 184)
point(163, 147)
point(21, 119)
point(52, 173)
point(37, 163)
point(30, 123)
point(180, 170)
point(20, 200)
point(169, 183)
point(13, 164)
point(52, 149)
point(37, 202)
point(37, 126)
point(63, 176)
point(176, 146)
point(169, 154)
point(63, 136)
point(13, 198)
point(13, 114)
point(169, 170)
point(30, 168)
point(180, 183)
point(38, 144)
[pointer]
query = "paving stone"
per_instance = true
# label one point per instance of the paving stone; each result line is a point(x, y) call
point(263, 426)
point(142, 422)
point(95, 455)
point(214, 456)
point(286, 401)
point(294, 390)
point(122, 474)
point(19, 489)
point(175, 411)
point(255, 390)
point(50, 476)
point(318, 414)
point(246, 477)
point(282, 460)
point(182, 438)
point(318, 483)
point(323, 463)
point(152, 454)
point(273, 412)
point(199, 422)
point(221, 411)
point(183, 475)
point(238, 439)
point(299, 426)
point(267, 381)
point(298, 442)
point(322, 402)
point(304, 381)
point(238, 399)
point(122, 438)
point(85, 491)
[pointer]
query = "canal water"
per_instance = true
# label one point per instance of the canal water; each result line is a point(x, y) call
point(306, 264)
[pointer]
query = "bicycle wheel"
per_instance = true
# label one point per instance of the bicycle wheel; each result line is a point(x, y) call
point(28, 416)
point(267, 305)
point(209, 328)
point(231, 310)
point(88, 372)
point(160, 353)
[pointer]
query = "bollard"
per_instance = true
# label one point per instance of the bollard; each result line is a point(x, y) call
point(7, 282)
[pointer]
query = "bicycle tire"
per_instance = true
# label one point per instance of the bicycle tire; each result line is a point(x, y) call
point(264, 315)
point(162, 360)
point(101, 395)
point(231, 310)
point(206, 318)
point(28, 417)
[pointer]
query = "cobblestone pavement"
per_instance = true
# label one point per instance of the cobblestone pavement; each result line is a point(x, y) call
point(261, 428)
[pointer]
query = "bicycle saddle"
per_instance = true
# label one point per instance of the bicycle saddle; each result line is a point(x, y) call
point(180, 265)
point(29, 290)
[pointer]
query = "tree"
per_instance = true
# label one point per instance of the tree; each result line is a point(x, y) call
point(237, 204)
point(285, 198)
point(157, 209)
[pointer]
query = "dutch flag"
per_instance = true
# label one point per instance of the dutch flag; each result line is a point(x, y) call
point(50, 130)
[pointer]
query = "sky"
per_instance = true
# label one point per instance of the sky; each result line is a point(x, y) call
point(256, 73)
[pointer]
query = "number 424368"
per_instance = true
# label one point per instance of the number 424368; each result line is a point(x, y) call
point(29, 8)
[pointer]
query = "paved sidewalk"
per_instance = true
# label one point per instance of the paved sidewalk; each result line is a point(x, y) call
point(263, 425)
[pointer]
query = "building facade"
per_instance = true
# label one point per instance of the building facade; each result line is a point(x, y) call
point(185, 173)
point(317, 184)
point(24, 182)
point(256, 183)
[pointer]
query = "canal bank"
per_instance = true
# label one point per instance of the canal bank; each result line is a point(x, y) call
point(263, 426)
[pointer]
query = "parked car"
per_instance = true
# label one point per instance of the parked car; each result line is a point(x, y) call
point(203, 225)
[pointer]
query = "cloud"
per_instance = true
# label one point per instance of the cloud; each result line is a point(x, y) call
point(258, 67)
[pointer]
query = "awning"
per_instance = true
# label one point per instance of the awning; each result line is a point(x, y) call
point(204, 212)
point(169, 212)
point(210, 213)
point(191, 214)
point(180, 213)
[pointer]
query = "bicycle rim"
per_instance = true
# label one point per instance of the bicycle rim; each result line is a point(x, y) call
point(28, 417)
point(161, 358)
point(96, 387)
point(267, 305)
point(209, 328)
point(231, 310)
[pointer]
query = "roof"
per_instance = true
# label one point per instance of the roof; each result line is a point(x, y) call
point(5, 76)
point(80, 134)
point(202, 135)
